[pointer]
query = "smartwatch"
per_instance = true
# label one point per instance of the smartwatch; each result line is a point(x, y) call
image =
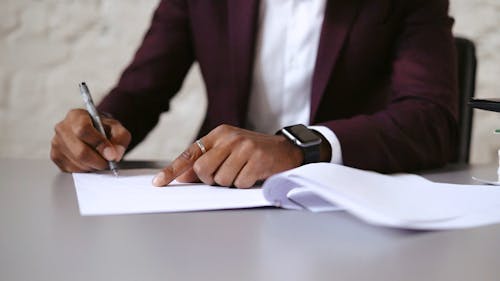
point(306, 139)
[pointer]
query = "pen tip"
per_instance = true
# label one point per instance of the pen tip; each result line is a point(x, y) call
point(83, 86)
point(115, 172)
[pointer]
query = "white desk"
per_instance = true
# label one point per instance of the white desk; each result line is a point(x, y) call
point(43, 237)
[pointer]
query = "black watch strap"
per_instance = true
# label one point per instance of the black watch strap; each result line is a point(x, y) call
point(311, 154)
point(309, 141)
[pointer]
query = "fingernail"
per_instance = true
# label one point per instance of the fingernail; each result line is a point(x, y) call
point(109, 153)
point(159, 179)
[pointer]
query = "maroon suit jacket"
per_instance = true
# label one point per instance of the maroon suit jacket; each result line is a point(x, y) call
point(384, 80)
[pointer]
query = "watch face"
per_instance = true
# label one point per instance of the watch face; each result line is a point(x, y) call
point(304, 135)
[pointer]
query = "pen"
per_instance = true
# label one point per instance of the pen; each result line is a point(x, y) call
point(96, 120)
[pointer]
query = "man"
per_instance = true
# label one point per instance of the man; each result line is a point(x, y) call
point(376, 79)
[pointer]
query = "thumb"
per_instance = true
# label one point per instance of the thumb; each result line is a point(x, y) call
point(119, 138)
point(110, 151)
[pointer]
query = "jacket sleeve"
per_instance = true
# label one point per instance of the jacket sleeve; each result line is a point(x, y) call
point(418, 128)
point(155, 74)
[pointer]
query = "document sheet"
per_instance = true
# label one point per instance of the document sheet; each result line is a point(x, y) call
point(132, 192)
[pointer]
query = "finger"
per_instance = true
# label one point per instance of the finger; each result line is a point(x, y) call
point(61, 155)
point(84, 156)
point(118, 135)
point(71, 166)
point(88, 134)
point(180, 165)
point(79, 152)
point(206, 166)
point(229, 170)
point(248, 175)
point(64, 163)
point(188, 176)
point(187, 159)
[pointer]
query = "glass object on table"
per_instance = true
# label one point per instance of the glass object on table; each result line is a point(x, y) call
point(490, 105)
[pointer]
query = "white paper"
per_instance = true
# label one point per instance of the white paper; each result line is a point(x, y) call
point(132, 192)
point(403, 201)
point(310, 201)
point(406, 201)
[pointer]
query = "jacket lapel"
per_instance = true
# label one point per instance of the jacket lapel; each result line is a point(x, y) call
point(242, 20)
point(339, 16)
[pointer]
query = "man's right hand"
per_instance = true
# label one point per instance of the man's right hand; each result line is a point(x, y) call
point(79, 147)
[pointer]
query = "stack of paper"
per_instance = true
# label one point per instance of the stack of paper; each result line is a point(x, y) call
point(404, 201)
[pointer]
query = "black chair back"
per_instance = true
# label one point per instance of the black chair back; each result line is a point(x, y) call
point(467, 64)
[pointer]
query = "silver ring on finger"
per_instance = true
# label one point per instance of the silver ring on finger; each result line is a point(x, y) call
point(201, 146)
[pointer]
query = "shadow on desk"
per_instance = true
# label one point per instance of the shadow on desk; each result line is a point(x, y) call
point(139, 164)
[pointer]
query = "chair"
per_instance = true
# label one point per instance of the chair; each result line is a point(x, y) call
point(467, 63)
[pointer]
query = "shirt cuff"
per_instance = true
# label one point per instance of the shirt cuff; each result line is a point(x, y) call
point(331, 137)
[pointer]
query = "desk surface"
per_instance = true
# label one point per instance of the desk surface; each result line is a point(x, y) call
point(43, 237)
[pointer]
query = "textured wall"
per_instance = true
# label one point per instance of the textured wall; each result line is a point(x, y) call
point(47, 47)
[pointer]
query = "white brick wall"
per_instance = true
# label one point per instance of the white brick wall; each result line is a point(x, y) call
point(47, 47)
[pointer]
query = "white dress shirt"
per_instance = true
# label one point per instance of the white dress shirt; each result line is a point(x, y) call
point(287, 45)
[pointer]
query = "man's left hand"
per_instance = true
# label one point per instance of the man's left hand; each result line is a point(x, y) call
point(233, 157)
